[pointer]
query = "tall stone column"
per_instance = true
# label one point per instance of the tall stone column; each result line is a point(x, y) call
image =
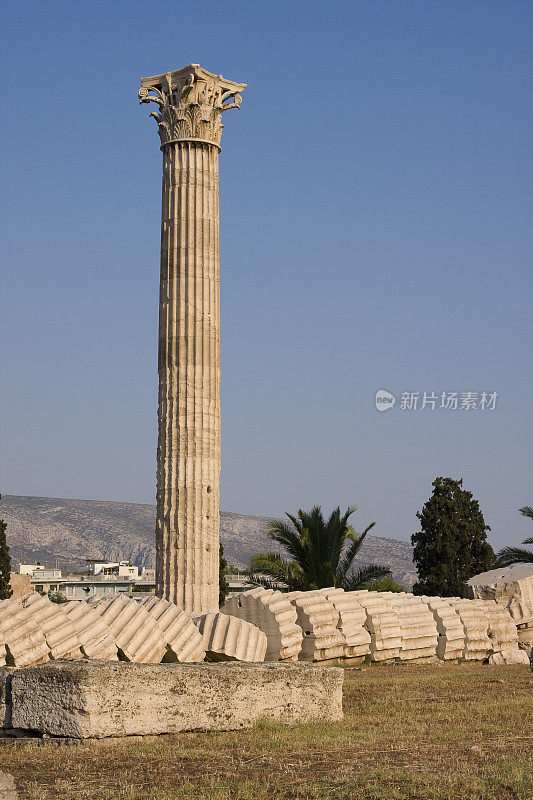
point(190, 104)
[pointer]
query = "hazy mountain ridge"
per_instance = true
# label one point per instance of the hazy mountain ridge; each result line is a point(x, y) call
point(67, 532)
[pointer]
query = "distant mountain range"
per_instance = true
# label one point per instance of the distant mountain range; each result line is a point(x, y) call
point(67, 532)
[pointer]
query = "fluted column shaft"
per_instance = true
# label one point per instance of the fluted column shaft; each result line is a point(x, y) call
point(190, 103)
point(188, 451)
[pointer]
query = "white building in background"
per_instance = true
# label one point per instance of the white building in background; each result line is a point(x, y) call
point(114, 569)
point(47, 580)
point(27, 569)
point(148, 574)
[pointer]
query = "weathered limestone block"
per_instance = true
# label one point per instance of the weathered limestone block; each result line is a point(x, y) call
point(2, 650)
point(183, 640)
point(525, 638)
point(351, 622)
point(99, 699)
point(317, 617)
point(502, 634)
point(96, 639)
point(418, 627)
point(274, 614)
point(383, 625)
point(228, 638)
point(25, 642)
point(451, 639)
point(6, 674)
point(8, 789)
point(511, 587)
point(59, 632)
point(477, 646)
point(137, 635)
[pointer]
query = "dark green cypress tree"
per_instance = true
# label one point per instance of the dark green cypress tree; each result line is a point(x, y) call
point(5, 563)
point(223, 585)
point(451, 545)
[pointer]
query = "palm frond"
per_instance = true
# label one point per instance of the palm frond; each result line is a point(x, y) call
point(263, 580)
point(514, 555)
point(527, 511)
point(338, 531)
point(365, 575)
point(273, 567)
point(288, 538)
point(355, 542)
point(296, 521)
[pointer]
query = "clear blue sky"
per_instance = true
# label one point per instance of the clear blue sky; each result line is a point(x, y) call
point(376, 211)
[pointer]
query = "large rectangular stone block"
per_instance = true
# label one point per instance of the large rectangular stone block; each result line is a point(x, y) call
point(99, 699)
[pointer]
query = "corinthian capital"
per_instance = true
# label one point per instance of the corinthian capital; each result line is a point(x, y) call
point(190, 103)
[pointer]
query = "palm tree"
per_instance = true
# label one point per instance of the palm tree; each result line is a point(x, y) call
point(517, 555)
point(321, 553)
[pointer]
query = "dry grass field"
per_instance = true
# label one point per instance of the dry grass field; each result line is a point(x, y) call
point(425, 733)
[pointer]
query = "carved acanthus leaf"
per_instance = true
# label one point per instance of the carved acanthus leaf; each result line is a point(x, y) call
point(190, 103)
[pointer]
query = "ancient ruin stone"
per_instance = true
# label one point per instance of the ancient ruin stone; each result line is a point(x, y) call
point(274, 614)
point(59, 632)
point(418, 627)
point(451, 633)
point(8, 789)
point(5, 697)
point(228, 638)
point(477, 645)
point(525, 638)
point(511, 587)
point(25, 641)
point(97, 699)
point(350, 622)
point(183, 640)
point(383, 625)
point(502, 634)
point(137, 635)
point(317, 618)
point(189, 105)
point(96, 638)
